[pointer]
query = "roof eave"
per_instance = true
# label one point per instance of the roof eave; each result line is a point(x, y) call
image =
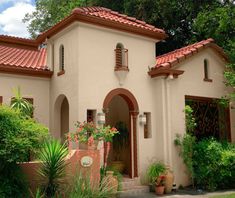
point(25, 71)
point(100, 22)
point(156, 72)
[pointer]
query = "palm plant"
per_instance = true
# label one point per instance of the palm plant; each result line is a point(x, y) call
point(21, 104)
point(53, 166)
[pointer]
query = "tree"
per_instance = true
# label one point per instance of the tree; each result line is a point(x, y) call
point(220, 25)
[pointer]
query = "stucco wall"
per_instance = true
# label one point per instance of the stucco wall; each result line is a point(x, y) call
point(65, 85)
point(96, 78)
point(191, 83)
point(31, 87)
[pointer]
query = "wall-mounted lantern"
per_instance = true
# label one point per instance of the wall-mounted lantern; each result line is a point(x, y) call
point(142, 119)
point(101, 118)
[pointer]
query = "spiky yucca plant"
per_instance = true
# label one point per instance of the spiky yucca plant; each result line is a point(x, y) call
point(53, 166)
point(21, 104)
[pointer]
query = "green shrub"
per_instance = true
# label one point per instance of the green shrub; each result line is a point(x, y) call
point(83, 188)
point(18, 137)
point(214, 164)
point(13, 182)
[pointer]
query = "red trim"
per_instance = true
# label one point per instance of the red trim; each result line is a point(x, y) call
point(134, 111)
point(207, 80)
point(0, 100)
point(155, 72)
point(61, 73)
point(25, 71)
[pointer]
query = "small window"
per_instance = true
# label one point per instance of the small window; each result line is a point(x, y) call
point(121, 56)
point(206, 71)
point(91, 115)
point(61, 60)
point(147, 126)
point(0, 100)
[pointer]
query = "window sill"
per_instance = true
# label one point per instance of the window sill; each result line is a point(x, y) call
point(207, 80)
point(121, 68)
point(61, 73)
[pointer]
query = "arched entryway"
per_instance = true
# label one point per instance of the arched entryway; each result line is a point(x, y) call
point(61, 117)
point(121, 109)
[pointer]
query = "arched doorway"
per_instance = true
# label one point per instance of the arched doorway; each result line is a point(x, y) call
point(61, 117)
point(121, 108)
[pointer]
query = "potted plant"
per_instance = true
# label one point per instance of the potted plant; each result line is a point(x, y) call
point(160, 181)
point(154, 171)
point(88, 135)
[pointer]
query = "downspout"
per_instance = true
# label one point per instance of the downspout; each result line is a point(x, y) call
point(167, 137)
point(169, 118)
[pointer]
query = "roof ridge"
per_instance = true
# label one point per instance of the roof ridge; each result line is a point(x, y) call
point(209, 40)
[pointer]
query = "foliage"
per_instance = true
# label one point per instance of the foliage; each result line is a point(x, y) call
point(21, 104)
point(187, 142)
point(18, 136)
point(190, 121)
point(214, 164)
point(53, 166)
point(155, 170)
point(160, 181)
point(83, 188)
point(87, 132)
point(13, 182)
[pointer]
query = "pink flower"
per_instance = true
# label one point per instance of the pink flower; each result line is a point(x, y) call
point(90, 141)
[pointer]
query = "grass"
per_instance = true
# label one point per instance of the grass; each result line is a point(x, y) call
point(225, 196)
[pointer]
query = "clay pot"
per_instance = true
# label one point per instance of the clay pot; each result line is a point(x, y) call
point(169, 180)
point(159, 190)
point(112, 181)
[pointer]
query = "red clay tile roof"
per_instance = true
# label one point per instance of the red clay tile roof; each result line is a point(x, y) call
point(172, 58)
point(107, 18)
point(23, 58)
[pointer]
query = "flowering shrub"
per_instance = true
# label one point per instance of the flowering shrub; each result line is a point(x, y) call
point(160, 180)
point(88, 132)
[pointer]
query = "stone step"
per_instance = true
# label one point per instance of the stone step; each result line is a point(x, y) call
point(134, 191)
point(129, 183)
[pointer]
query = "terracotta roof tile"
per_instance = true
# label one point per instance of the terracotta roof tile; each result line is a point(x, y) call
point(107, 18)
point(172, 58)
point(115, 16)
point(23, 58)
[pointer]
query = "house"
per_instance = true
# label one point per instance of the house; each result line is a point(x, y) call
point(98, 61)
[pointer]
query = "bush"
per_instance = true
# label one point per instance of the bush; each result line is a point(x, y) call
point(155, 170)
point(83, 188)
point(214, 164)
point(18, 137)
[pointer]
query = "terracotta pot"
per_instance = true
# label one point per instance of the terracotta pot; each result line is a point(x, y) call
point(112, 181)
point(159, 190)
point(85, 146)
point(169, 180)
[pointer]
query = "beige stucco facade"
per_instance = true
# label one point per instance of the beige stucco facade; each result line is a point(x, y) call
point(89, 76)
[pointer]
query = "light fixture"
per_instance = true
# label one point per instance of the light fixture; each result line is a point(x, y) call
point(142, 119)
point(101, 118)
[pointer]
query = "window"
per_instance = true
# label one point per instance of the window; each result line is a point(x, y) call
point(206, 71)
point(61, 60)
point(147, 126)
point(91, 115)
point(0, 100)
point(121, 56)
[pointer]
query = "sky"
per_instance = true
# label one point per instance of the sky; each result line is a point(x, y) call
point(11, 14)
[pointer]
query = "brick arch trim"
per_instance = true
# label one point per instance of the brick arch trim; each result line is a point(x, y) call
point(125, 94)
